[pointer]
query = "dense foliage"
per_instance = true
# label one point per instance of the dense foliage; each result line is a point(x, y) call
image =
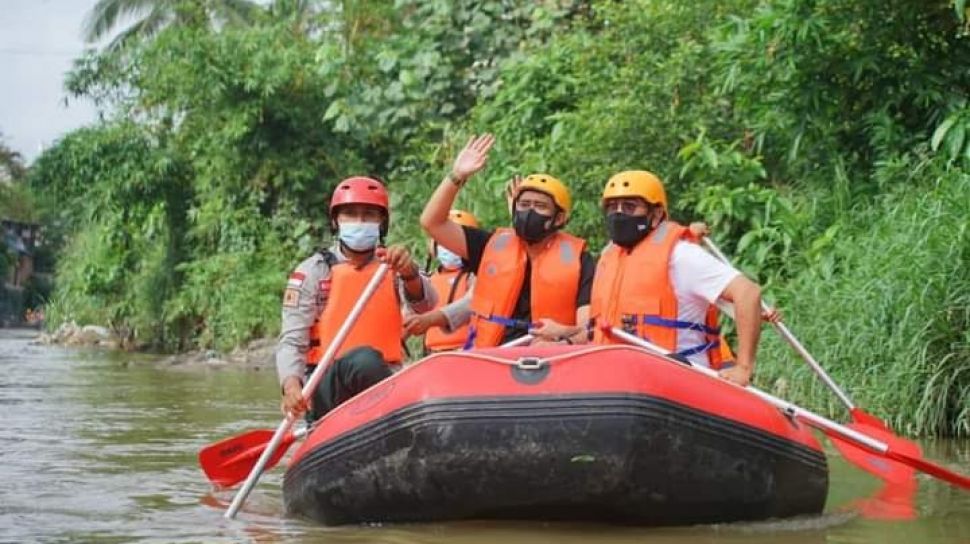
point(826, 142)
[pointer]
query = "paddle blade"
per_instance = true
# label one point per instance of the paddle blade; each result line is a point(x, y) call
point(878, 464)
point(861, 416)
point(228, 462)
point(895, 502)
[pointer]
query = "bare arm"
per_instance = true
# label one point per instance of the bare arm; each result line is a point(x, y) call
point(746, 296)
point(435, 222)
point(434, 218)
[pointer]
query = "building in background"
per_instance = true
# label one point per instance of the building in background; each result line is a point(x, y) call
point(18, 242)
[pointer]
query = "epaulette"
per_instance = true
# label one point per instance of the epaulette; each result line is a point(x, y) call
point(328, 256)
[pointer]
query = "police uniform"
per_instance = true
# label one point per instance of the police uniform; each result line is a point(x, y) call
point(306, 295)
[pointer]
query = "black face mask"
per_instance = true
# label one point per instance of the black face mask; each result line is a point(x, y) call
point(530, 225)
point(627, 230)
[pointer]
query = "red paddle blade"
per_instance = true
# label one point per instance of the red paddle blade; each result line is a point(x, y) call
point(879, 464)
point(228, 462)
point(895, 502)
point(861, 416)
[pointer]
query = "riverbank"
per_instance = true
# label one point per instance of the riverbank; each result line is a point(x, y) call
point(255, 355)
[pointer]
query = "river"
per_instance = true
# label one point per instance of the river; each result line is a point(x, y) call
point(101, 447)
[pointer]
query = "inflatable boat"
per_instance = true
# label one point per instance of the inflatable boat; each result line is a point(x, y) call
point(582, 433)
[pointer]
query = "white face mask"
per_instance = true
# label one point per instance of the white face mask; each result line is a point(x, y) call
point(359, 236)
point(448, 259)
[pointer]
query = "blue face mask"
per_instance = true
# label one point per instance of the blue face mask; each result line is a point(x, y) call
point(359, 236)
point(448, 259)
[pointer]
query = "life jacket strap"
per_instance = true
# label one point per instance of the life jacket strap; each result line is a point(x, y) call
point(707, 346)
point(658, 321)
point(506, 322)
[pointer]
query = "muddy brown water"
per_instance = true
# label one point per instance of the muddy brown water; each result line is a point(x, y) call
point(101, 447)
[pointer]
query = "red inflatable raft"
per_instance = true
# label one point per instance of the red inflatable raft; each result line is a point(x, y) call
point(605, 433)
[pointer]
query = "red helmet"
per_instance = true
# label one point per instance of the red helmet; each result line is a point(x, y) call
point(359, 190)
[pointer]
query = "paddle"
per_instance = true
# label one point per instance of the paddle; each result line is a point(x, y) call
point(876, 451)
point(857, 413)
point(282, 430)
point(862, 420)
point(230, 461)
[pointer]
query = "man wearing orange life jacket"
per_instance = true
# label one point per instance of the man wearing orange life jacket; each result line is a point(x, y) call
point(652, 281)
point(531, 278)
point(324, 288)
point(446, 327)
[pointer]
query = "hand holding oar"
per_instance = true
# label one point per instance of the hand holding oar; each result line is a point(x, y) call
point(866, 445)
point(280, 435)
point(862, 420)
point(858, 414)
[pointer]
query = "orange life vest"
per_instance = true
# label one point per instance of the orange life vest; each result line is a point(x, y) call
point(379, 324)
point(498, 281)
point(450, 285)
point(632, 290)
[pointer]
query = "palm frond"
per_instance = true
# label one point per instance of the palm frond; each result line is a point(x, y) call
point(106, 14)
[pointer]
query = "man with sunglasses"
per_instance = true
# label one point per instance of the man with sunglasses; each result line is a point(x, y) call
point(653, 281)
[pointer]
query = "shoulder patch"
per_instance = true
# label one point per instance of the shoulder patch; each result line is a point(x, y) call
point(296, 279)
point(291, 298)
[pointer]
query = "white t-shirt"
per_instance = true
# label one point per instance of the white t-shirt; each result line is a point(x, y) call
point(698, 279)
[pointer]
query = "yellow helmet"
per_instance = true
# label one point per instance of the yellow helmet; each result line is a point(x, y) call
point(637, 184)
point(551, 186)
point(463, 218)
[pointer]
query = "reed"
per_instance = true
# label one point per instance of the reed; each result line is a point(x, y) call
point(887, 311)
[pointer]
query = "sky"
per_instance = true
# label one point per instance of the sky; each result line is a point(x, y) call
point(38, 41)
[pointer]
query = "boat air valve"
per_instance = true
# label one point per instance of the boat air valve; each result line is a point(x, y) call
point(530, 370)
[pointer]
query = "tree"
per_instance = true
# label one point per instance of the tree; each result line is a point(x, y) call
point(154, 15)
point(11, 163)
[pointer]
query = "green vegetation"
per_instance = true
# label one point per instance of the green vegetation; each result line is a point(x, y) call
point(827, 143)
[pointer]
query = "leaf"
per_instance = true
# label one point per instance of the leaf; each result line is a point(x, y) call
point(710, 156)
point(386, 60)
point(342, 124)
point(941, 131)
point(332, 111)
point(954, 140)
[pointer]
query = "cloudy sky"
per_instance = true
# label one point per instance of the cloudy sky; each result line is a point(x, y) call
point(38, 40)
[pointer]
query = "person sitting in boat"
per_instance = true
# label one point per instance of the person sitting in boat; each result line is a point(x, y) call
point(532, 278)
point(324, 288)
point(446, 327)
point(672, 297)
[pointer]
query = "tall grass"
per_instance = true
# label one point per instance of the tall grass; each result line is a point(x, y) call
point(887, 311)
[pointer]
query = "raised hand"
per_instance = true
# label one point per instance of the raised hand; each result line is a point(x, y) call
point(473, 157)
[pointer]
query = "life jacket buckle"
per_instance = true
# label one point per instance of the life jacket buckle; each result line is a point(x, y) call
point(629, 323)
point(530, 363)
